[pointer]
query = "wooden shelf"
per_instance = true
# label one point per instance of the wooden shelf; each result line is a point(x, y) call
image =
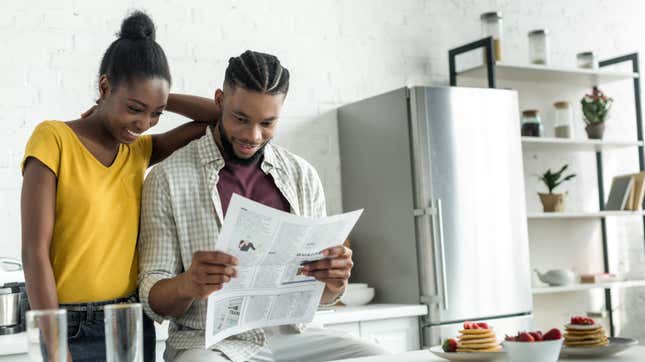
point(567, 144)
point(549, 74)
point(590, 286)
point(581, 215)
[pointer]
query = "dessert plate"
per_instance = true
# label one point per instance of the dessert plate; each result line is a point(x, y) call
point(468, 356)
point(615, 345)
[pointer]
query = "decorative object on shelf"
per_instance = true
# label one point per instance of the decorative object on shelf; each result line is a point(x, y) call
point(532, 124)
point(557, 277)
point(638, 191)
point(621, 188)
point(587, 60)
point(554, 202)
point(563, 120)
point(595, 108)
point(492, 26)
point(627, 192)
point(539, 46)
point(598, 278)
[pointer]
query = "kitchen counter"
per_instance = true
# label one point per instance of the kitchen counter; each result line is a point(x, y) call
point(13, 348)
point(368, 312)
point(634, 354)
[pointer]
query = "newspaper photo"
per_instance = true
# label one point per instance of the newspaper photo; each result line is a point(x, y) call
point(271, 246)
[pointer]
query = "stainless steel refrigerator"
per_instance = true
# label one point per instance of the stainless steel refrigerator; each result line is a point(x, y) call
point(438, 171)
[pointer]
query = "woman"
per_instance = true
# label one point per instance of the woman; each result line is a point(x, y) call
point(82, 184)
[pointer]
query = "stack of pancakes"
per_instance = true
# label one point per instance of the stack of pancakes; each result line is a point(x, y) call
point(477, 340)
point(585, 335)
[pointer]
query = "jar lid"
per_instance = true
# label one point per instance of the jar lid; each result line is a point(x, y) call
point(561, 104)
point(491, 15)
point(530, 112)
point(538, 32)
point(585, 54)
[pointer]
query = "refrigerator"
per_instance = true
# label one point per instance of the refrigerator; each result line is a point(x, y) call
point(438, 172)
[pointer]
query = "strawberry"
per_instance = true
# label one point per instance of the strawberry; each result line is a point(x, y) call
point(525, 337)
point(509, 338)
point(482, 325)
point(552, 335)
point(470, 325)
point(449, 345)
point(585, 321)
point(537, 336)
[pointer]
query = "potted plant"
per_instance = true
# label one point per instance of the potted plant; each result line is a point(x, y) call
point(595, 108)
point(553, 202)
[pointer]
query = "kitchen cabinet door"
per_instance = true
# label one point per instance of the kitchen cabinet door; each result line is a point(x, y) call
point(395, 335)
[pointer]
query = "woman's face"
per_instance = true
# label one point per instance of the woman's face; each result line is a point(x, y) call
point(133, 107)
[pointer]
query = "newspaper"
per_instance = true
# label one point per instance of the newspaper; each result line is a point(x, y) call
point(271, 246)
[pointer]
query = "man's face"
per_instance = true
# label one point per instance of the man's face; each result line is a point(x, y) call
point(248, 121)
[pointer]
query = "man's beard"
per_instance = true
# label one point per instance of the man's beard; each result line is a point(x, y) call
point(230, 152)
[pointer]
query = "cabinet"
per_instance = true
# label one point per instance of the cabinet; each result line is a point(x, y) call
point(497, 72)
point(395, 327)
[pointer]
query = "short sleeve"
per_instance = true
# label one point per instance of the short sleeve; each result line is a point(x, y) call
point(144, 144)
point(45, 145)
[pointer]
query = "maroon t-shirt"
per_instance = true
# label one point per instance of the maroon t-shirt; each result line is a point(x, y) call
point(251, 182)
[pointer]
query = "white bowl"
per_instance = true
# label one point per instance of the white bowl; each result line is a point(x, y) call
point(356, 285)
point(357, 296)
point(543, 351)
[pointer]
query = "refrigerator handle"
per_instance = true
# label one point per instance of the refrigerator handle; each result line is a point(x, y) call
point(439, 224)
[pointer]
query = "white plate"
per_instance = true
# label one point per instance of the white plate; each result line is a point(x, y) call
point(582, 327)
point(615, 345)
point(468, 356)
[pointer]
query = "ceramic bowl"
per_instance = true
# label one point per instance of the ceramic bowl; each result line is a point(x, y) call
point(543, 351)
point(357, 296)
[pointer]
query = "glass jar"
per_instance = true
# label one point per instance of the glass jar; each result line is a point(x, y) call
point(532, 124)
point(492, 26)
point(563, 120)
point(587, 60)
point(539, 46)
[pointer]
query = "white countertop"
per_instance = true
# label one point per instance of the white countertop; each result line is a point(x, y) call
point(368, 312)
point(16, 345)
point(634, 354)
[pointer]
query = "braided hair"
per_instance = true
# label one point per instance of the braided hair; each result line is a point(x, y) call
point(259, 72)
point(135, 53)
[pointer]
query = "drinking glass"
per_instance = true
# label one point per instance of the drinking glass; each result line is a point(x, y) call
point(124, 332)
point(47, 335)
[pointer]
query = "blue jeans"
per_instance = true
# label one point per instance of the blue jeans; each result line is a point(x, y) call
point(86, 331)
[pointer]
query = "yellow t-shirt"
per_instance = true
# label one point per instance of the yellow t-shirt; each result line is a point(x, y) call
point(93, 248)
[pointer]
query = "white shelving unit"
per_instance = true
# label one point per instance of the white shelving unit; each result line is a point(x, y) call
point(590, 286)
point(582, 215)
point(494, 73)
point(544, 144)
point(548, 74)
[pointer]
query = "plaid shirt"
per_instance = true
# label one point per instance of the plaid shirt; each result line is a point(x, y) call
point(181, 213)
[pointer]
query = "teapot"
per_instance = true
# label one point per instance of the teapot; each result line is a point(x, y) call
point(557, 277)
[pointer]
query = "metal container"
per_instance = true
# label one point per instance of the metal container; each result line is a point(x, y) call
point(9, 307)
point(11, 296)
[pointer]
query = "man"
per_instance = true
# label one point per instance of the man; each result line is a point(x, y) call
point(183, 205)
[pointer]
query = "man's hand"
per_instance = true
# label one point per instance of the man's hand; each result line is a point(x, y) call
point(334, 271)
point(208, 272)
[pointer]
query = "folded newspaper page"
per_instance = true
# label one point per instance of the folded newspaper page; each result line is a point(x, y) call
point(271, 246)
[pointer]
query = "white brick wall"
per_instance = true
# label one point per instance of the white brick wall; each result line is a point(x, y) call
point(338, 52)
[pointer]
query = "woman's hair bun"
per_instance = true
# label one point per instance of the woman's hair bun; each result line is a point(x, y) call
point(137, 26)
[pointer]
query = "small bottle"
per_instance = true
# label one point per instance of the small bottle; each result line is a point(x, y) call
point(492, 26)
point(563, 120)
point(587, 60)
point(539, 47)
point(532, 124)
